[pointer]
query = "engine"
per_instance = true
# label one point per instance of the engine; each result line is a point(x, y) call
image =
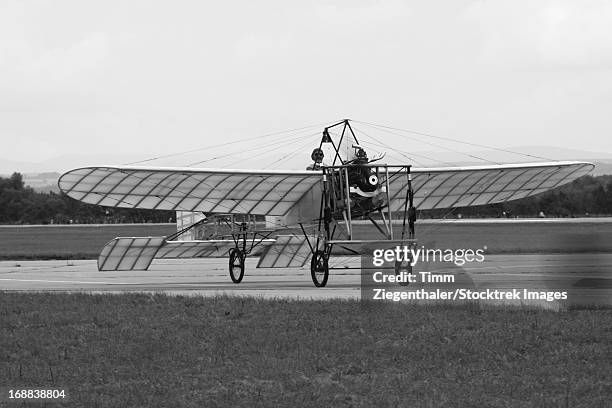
point(365, 192)
point(365, 195)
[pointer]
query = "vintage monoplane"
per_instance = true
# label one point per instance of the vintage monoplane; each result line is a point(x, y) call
point(315, 209)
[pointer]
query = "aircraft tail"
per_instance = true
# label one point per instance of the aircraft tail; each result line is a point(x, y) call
point(129, 253)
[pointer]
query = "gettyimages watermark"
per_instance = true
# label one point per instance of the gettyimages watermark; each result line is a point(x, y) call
point(422, 274)
point(414, 255)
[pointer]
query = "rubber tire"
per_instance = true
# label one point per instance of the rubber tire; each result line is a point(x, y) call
point(236, 253)
point(319, 263)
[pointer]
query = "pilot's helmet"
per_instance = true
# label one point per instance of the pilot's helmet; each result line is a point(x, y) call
point(361, 154)
point(317, 155)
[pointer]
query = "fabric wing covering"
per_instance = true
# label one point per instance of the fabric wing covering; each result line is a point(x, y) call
point(137, 253)
point(219, 248)
point(448, 187)
point(129, 253)
point(288, 251)
point(185, 189)
point(276, 192)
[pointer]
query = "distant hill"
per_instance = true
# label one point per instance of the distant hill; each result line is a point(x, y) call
point(602, 167)
point(42, 182)
point(66, 162)
point(524, 154)
point(602, 160)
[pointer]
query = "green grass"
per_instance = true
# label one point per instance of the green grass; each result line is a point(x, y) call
point(86, 241)
point(68, 241)
point(156, 350)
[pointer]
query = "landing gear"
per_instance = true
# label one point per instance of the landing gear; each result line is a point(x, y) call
point(238, 254)
point(236, 264)
point(355, 187)
point(319, 268)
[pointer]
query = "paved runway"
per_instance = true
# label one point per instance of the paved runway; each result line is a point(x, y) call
point(587, 278)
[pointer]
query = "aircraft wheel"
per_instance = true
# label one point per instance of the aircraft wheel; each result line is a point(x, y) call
point(236, 265)
point(319, 268)
point(403, 267)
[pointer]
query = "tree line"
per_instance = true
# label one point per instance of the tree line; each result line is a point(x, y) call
point(586, 196)
point(19, 204)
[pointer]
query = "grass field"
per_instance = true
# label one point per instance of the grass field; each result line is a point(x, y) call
point(86, 241)
point(69, 241)
point(158, 351)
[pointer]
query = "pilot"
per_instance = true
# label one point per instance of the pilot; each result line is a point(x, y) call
point(317, 158)
point(362, 157)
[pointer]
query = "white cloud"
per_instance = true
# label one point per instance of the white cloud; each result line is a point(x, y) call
point(76, 61)
point(545, 35)
point(253, 46)
point(372, 12)
point(162, 77)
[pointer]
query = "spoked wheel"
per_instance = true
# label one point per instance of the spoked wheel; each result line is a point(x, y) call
point(319, 268)
point(236, 265)
point(403, 267)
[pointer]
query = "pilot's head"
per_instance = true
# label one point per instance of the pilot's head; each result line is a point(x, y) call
point(317, 155)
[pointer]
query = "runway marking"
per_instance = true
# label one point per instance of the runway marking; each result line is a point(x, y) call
point(71, 281)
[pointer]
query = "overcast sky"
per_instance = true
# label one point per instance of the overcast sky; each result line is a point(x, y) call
point(156, 77)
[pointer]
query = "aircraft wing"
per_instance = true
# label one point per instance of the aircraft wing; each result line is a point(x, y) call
point(271, 192)
point(448, 187)
point(266, 192)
